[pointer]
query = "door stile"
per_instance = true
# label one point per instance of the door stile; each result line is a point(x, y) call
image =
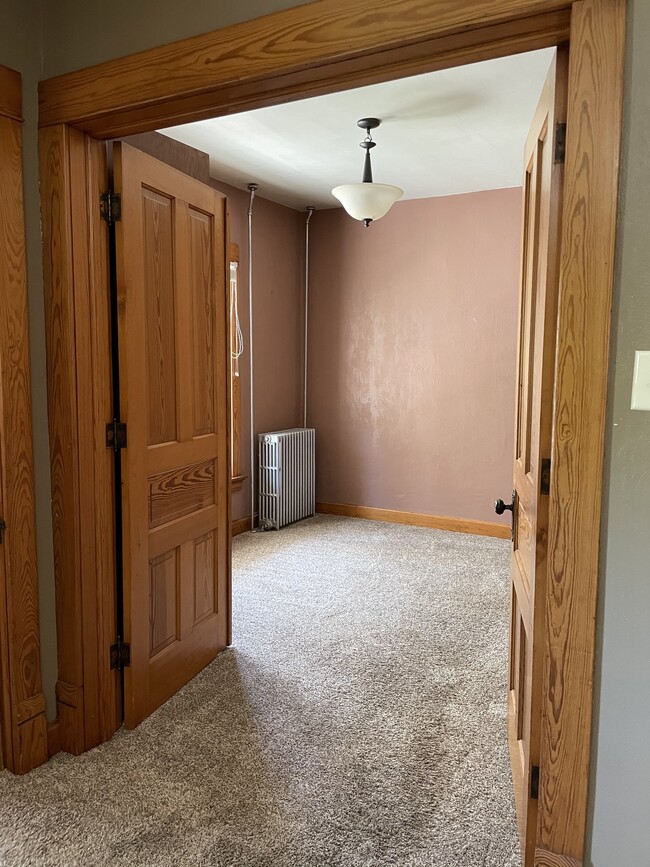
point(132, 362)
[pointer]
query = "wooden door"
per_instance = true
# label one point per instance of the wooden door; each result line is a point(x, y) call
point(174, 397)
point(542, 191)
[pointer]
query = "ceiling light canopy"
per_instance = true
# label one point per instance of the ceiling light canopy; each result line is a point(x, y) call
point(367, 201)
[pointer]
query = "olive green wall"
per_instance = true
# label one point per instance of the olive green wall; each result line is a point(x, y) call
point(80, 33)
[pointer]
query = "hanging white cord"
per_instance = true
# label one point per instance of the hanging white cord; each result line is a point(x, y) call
point(238, 348)
point(251, 189)
point(310, 211)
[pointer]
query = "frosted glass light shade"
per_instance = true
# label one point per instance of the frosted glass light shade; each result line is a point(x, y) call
point(367, 201)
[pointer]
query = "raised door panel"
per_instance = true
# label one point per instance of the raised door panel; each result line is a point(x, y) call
point(160, 332)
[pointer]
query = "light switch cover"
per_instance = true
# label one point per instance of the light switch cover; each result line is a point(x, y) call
point(641, 382)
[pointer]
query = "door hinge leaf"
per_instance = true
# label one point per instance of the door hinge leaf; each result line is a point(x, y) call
point(120, 654)
point(560, 142)
point(534, 782)
point(116, 435)
point(3, 527)
point(110, 207)
point(545, 477)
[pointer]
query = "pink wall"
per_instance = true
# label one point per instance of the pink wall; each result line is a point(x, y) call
point(412, 354)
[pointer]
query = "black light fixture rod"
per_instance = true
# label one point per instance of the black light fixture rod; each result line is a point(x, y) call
point(368, 123)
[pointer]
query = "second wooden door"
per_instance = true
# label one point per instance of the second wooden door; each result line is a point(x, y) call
point(543, 177)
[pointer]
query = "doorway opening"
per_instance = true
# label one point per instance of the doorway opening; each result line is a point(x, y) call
point(172, 238)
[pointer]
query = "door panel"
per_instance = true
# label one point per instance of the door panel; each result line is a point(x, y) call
point(542, 189)
point(174, 357)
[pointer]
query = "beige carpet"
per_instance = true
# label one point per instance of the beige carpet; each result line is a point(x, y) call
point(358, 721)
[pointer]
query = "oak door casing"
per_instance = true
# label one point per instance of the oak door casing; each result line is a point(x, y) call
point(542, 196)
point(23, 743)
point(174, 397)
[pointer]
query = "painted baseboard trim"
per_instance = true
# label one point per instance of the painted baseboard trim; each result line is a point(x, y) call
point(435, 522)
point(544, 858)
point(241, 525)
point(53, 738)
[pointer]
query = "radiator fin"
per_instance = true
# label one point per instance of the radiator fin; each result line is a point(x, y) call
point(287, 477)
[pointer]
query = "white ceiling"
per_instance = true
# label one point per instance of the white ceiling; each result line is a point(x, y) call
point(455, 131)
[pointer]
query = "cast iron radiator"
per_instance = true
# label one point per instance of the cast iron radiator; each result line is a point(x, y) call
point(287, 477)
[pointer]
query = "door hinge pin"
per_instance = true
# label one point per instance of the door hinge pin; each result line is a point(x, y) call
point(120, 654)
point(116, 435)
point(3, 527)
point(560, 142)
point(534, 782)
point(110, 207)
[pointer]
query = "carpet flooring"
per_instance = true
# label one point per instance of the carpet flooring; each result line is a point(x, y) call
point(358, 721)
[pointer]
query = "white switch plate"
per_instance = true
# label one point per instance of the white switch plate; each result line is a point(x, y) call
point(641, 382)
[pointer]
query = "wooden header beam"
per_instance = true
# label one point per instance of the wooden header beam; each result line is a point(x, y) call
point(307, 50)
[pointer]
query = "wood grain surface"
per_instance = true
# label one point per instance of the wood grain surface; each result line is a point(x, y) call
point(174, 396)
point(62, 414)
point(586, 277)
point(314, 48)
point(10, 94)
point(550, 859)
point(101, 693)
point(73, 170)
point(179, 492)
point(21, 696)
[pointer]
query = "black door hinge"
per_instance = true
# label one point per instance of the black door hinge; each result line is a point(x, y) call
point(545, 477)
point(120, 654)
point(110, 207)
point(3, 527)
point(534, 782)
point(560, 142)
point(116, 435)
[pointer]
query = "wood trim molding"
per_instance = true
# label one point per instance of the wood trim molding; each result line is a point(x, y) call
point(306, 50)
point(435, 522)
point(550, 859)
point(11, 94)
point(333, 45)
point(594, 110)
point(73, 170)
point(241, 525)
point(22, 723)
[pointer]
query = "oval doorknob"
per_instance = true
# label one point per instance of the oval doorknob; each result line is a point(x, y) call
point(500, 507)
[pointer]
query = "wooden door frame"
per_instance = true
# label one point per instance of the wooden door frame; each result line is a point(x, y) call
point(312, 49)
point(22, 703)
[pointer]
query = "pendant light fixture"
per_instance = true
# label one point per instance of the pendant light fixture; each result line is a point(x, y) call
point(367, 201)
